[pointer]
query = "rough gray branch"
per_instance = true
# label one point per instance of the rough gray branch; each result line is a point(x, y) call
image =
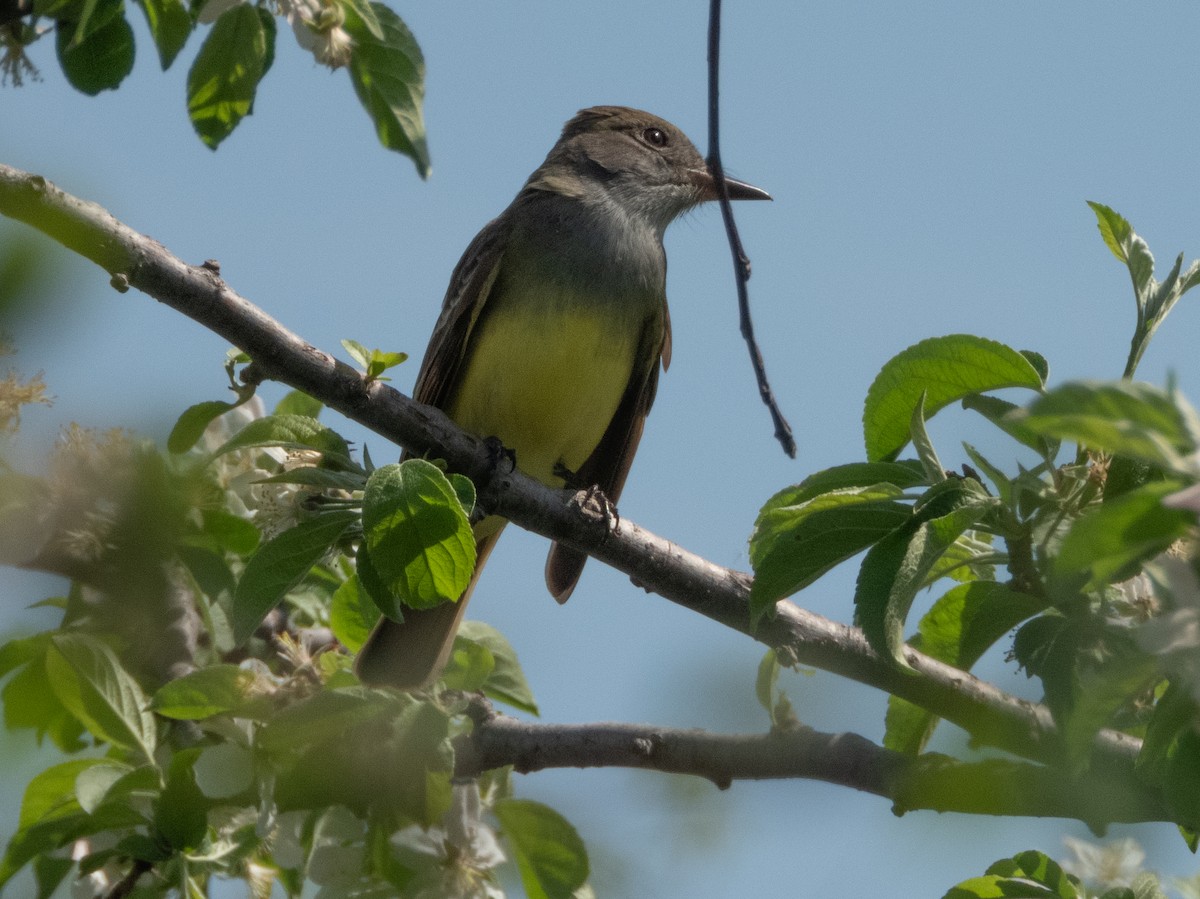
point(933, 782)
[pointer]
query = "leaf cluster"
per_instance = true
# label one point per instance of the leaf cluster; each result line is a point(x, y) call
point(94, 43)
point(256, 753)
point(1084, 549)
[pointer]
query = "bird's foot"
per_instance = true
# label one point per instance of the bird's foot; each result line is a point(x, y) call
point(596, 506)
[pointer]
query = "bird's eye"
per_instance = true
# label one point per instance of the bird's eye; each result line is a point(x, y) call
point(655, 137)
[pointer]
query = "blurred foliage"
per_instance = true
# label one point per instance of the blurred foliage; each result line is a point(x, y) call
point(200, 653)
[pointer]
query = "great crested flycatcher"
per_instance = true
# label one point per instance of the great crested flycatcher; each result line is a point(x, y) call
point(551, 335)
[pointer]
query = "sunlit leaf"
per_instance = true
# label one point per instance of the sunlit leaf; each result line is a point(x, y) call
point(89, 680)
point(280, 564)
point(418, 534)
point(224, 76)
point(550, 855)
point(388, 74)
point(945, 369)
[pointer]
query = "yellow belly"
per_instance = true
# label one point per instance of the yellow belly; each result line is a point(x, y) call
point(547, 385)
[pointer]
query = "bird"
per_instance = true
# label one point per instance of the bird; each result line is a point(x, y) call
point(551, 337)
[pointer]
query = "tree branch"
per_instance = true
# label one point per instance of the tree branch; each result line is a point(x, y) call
point(990, 715)
point(934, 782)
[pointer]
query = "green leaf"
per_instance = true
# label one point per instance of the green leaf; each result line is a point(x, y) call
point(170, 25)
point(1121, 417)
point(896, 567)
point(325, 716)
point(1104, 689)
point(144, 848)
point(97, 54)
point(352, 614)
point(374, 362)
point(371, 581)
point(41, 839)
point(388, 74)
point(999, 412)
point(88, 679)
point(506, 682)
point(30, 701)
point(1169, 753)
point(1125, 474)
point(934, 471)
point(969, 618)
point(50, 816)
point(1027, 875)
point(469, 667)
point(191, 425)
point(230, 532)
point(357, 351)
point(224, 76)
point(280, 564)
point(969, 558)
point(1039, 363)
point(181, 813)
point(946, 369)
point(318, 478)
point(906, 474)
point(82, 26)
point(327, 750)
point(798, 539)
point(289, 432)
point(464, 487)
point(766, 681)
point(296, 402)
point(205, 692)
point(224, 770)
point(211, 571)
point(49, 872)
point(268, 23)
point(994, 886)
point(131, 792)
point(51, 794)
point(418, 534)
point(22, 651)
point(93, 783)
point(1114, 229)
point(550, 855)
point(1154, 299)
point(363, 10)
point(1172, 716)
point(957, 630)
point(1109, 542)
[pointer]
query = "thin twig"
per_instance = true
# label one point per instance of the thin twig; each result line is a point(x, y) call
point(125, 885)
point(741, 262)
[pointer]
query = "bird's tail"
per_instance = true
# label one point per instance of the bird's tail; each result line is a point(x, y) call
point(411, 654)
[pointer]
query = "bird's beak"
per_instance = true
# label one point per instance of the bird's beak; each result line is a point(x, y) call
point(738, 190)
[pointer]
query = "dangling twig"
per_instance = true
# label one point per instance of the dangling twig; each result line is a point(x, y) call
point(741, 262)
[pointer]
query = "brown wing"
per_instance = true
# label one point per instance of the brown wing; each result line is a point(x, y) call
point(466, 296)
point(608, 466)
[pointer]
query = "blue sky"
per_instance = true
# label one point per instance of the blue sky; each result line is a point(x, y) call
point(930, 165)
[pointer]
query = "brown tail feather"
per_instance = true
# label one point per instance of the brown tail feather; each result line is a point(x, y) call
point(411, 654)
point(563, 568)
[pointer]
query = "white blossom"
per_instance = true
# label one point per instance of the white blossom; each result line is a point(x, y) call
point(1113, 864)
